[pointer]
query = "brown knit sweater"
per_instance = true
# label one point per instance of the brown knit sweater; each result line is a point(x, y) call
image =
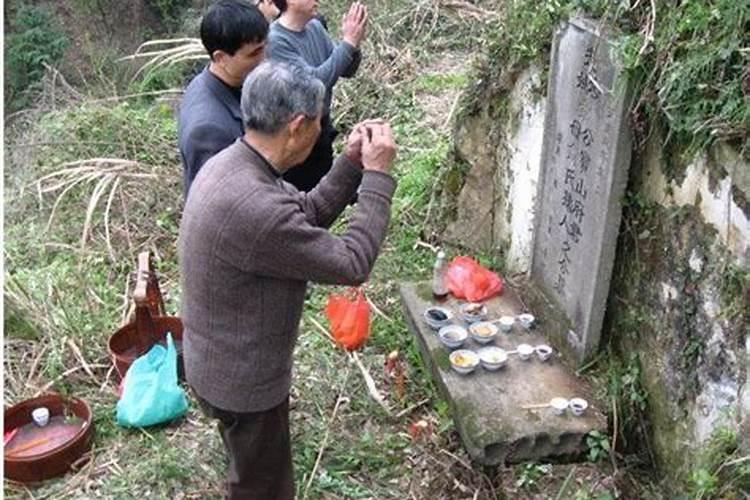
point(249, 243)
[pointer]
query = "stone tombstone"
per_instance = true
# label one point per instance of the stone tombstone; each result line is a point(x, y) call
point(585, 160)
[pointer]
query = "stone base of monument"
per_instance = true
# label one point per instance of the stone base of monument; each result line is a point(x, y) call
point(500, 414)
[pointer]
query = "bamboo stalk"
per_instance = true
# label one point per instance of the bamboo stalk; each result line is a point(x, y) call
point(25, 447)
point(534, 406)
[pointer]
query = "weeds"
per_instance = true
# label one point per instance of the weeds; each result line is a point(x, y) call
point(530, 474)
point(599, 446)
point(721, 469)
point(686, 60)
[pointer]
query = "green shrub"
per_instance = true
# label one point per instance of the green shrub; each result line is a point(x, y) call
point(35, 40)
point(169, 11)
point(687, 80)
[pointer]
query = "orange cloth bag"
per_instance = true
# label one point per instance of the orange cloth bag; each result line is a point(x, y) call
point(467, 279)
point(349, 319)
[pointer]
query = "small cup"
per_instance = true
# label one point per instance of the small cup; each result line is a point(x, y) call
point(526, 320)
point(40, 416)
point(506, 323)
point(524, 351)
point(543, 352)
point(578, 406)
point(559, 405)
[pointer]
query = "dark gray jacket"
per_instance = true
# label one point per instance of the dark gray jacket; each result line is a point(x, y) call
point(210, 120)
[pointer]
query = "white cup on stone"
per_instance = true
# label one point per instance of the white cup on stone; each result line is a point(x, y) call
point(578, 406)
point(543, 352)
point(526, 320)
point(524, 351)
point(506, 323)
point(559, 405)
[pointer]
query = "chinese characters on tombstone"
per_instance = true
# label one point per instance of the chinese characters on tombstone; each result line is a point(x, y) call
point(585, 159)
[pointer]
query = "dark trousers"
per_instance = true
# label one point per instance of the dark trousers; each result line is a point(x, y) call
point(307, 174)
point(260, 454)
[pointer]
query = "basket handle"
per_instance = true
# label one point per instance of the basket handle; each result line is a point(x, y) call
point(153, 295)
point(148, 304)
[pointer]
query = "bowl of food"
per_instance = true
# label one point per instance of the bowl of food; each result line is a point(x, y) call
point(558, 405)
point(506, 323)
point(527, 320)
point(483, 332)
point(578, 406)
point(464, 361)
point(492, 358)
point(524, 351)
point(437, 317)
point(472, 312)
point(452, 336)
point(543, 352)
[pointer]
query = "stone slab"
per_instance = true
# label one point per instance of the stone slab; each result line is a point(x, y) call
point(486, 405)
point(585, 161)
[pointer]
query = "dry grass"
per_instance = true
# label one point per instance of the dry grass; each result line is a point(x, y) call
point(106, 175)
point(166, 52)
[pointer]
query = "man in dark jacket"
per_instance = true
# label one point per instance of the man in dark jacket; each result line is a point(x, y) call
point(234, 34)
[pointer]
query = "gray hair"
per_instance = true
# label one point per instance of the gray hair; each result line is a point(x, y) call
point(275, 92)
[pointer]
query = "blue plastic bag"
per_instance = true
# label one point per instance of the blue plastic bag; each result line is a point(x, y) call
point(151, 394)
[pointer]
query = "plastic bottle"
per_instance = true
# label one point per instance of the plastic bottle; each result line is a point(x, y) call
point(439, 290)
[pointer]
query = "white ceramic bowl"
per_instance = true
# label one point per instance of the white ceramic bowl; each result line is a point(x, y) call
point(524, 351)
point(471, 312)
point(492, 358)
point(483, 332)
point(526, 320)
point(437, 324)
point(464, 361)
point(543, 352)
point(506, 323)
point(559, 405)
point(40, 416)
point(453, 336)
point(578, 406)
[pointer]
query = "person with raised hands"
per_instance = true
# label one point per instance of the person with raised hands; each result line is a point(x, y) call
point(298, 37)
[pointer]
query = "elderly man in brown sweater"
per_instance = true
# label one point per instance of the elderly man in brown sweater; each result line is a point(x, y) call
point(250, 242)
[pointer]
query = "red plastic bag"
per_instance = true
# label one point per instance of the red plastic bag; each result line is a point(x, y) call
point(466, 279)
point(350, 319)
